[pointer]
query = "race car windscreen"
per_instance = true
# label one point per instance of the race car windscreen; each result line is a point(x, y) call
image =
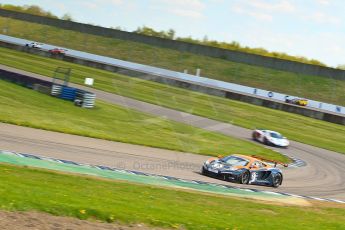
point(276, 135)
point(235, 161)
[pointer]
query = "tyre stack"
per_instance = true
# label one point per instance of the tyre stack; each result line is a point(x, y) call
point(80, 97)
point(56, 90)
point(85, 99)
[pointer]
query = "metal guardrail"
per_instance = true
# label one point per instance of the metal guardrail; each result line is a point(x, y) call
point(202, 81)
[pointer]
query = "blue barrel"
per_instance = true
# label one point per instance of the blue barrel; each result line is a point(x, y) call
point(68, 93)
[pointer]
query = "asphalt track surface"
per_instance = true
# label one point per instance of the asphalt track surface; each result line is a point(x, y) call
point(323, 176)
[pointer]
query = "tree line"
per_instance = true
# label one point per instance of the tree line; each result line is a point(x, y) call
point(35, 10)
point(171, 34)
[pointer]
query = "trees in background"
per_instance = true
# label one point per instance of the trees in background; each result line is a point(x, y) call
point(30, 9)
point(341, 67)
point(35, 10)
point(170, 34)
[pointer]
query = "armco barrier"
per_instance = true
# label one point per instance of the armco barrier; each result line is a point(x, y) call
point(23, 80)
point(42, 89)
point(257, 100)
point(235, 56)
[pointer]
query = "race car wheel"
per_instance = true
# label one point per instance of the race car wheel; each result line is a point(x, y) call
point(277, 180)
point(244, 178)
point(267, 142)
point(203, 171)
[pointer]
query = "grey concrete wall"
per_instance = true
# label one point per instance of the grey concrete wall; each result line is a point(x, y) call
point(317, 114)
point(235, 56)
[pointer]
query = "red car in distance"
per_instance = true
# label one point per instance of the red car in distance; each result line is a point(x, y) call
point(57, 51)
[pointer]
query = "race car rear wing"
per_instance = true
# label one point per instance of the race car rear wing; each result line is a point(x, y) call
point(269, 160)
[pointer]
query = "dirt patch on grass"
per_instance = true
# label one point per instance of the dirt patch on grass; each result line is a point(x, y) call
point(43, 221)
point(327, 204)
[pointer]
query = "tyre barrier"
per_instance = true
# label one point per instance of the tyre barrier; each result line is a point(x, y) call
point(85, 99)
point(56, 90)
point(68, 93)
point(80, 97)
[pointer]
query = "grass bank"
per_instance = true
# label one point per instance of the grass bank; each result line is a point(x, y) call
point(313, 87)
point(88, 198)
point(26, 107)
point(295, 127)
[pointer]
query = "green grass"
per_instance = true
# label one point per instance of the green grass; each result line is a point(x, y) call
point(295, 127)
point(313, 87)
point(27, 189)
point(26, 107)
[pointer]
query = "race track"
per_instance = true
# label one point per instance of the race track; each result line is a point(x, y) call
point(323, 176)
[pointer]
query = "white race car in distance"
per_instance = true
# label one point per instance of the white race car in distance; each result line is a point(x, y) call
point(269, 137)
point(34, 45)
